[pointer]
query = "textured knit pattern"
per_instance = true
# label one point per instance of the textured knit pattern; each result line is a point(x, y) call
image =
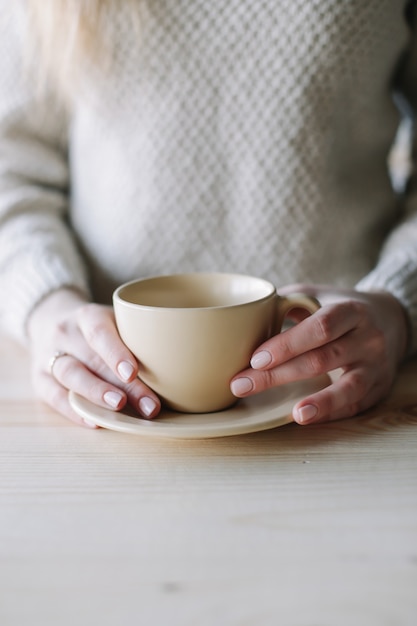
point(237, 135)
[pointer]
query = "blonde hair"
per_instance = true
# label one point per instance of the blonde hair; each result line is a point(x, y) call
point(71, 34)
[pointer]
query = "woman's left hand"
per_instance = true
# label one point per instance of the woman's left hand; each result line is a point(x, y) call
point(364, 334)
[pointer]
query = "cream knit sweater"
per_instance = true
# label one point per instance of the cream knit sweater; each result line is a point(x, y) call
point(233, 135)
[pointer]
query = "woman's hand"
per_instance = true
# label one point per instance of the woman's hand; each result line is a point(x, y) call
point(364, 334)
point(92, 360)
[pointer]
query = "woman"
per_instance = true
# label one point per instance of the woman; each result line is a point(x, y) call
point(183, 136)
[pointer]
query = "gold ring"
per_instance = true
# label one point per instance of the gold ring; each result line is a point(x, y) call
point(54, 358)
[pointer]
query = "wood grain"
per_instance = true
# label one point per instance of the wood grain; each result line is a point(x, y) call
point(299, 526)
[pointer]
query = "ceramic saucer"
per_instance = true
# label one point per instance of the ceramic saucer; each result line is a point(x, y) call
point(266, 410)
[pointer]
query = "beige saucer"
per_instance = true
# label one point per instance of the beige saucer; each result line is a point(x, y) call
point(266, 410)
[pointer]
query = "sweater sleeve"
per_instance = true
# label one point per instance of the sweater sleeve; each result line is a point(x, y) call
point(37, 251)
point(396, 270)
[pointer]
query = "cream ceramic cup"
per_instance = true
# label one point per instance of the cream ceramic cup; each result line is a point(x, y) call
point(192, 333)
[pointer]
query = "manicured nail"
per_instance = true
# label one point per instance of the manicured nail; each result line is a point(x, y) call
point(113, 399)
point(147, 406)
point(241, 386)
point(261, 359)
point(125, 370)
point(306, 413)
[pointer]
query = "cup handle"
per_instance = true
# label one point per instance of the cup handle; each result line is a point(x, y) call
point(294, 301)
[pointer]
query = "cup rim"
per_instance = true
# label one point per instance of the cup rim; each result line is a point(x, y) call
point(117, 297)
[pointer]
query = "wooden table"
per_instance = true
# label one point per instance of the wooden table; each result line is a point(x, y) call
point(298, 526)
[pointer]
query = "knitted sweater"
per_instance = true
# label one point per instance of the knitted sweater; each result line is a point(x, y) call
point(230, 135)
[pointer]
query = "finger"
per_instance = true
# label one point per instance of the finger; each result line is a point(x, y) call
point(55, 396)
point(72, 374)
point(76, 346)
point(338, 354)
point(323, 327)
point(98, 327)
point(142, 399)
point(352, 393)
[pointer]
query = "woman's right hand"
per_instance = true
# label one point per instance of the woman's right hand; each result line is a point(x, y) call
point(93, 361)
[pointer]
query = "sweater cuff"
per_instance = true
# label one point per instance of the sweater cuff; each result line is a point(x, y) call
point(33, 281)
point(397, 275)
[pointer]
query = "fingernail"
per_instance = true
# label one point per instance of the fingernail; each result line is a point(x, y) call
point(147, 406)
point(125, 370)
point(306, 413)
point(241, 386)
point(261, 359)
point(113, 399)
